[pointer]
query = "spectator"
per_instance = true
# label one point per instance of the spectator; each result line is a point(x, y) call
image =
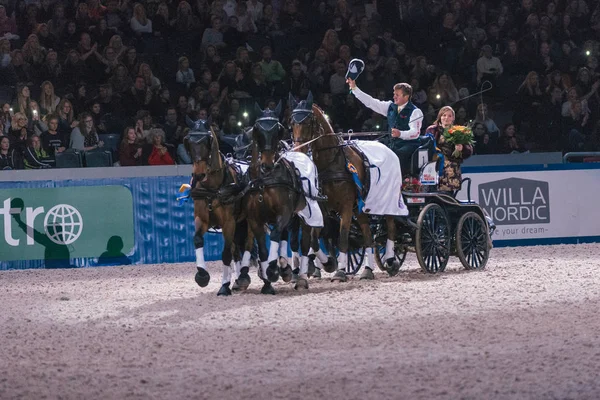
point(19, 134)
point(298, 83)
point(331, 44)
point(158, 152)
point(162, 23)
point(9, 157)
point(152, 82)
point(48, 100)
point(444, 87)
point(272, 69)
point(185, 21)
point(53, 141)
point(185, 75)
point(52, 70)
point(509, 142)
point(139, 23)
point(337, 82)
point(36, 125)
point(66, 121)
point(255, 9)
point(130, 149)
point(35, 156)
point(172, 128)
point(483, 116)
point(84, 136)
point(213, 36)
point(489, 68)
point(483, 144)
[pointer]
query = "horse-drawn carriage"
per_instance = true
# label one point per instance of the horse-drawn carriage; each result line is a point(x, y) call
point(438, 225)
point(433, 225)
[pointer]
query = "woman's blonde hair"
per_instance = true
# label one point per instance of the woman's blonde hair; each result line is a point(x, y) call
point(443, 111)
point(48, 103)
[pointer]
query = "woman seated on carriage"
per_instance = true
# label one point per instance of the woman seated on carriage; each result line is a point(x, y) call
point(451, 177)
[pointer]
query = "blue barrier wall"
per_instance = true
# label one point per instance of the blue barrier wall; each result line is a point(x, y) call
point(163, 229)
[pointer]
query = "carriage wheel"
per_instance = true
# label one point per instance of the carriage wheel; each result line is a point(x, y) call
point(472, 241)
point(355, 260)
point(432, 241)
point(399, 257)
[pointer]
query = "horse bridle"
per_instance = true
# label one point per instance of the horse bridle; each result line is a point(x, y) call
point(199, 137)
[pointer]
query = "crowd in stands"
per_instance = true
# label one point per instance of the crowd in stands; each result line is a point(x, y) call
point(73, 70)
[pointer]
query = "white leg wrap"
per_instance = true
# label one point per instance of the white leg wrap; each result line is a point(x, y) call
point(304, 265)
point(238, 268)
point(226, 278)
point(200, 258)
point(311, 251)
point(322, 256)
point(370, 259)
point(389, 249)
point(283, 249)
point(295, 260)
point(263, 269)
point(342, 261)
point(246, 259)
point(273, 251)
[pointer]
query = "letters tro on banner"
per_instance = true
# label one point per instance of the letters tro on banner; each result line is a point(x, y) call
point(45, 223)
point(547, 204)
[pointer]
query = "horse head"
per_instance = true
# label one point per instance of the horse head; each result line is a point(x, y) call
point(267, 133)
point(203, 147)
point(302, 121)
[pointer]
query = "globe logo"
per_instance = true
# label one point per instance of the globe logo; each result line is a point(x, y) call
point(63, 224)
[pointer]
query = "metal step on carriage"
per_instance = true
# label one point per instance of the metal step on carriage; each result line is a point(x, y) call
point(440, 226)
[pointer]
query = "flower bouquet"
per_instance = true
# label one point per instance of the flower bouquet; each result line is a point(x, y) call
point(458, 134)
point(412, 185)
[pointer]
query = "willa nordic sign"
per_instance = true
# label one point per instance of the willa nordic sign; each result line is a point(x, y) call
point(516, 201)
point(63, 223)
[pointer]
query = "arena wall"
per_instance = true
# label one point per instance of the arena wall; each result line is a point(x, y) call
point(130, 215)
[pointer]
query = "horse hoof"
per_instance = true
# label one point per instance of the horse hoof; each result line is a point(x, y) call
point(267, 288)
point(367, 274)
point(202, 277)
point(339, 276)
point(311, 265)
point(243, 281)
point(301, 283)
point(286, 273)
point(392, 267)
point(224, 291)
point(331, 265)
point(273, 271)
point(317, 274)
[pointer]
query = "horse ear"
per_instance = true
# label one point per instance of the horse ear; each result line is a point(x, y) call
point(309, 99)
point(292, 102)
point(278, 109)
point(257, 110)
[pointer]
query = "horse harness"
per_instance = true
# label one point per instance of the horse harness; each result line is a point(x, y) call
point(234, 182)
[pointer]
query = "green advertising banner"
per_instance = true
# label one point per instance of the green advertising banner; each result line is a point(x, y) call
point(66, 222)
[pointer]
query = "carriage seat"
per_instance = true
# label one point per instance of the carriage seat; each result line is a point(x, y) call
point(421, 156)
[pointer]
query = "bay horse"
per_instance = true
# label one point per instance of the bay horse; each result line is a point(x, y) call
point(275, 194)
point(333, 158)
point(215, 183)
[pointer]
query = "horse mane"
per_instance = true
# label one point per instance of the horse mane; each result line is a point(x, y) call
point(320, 116)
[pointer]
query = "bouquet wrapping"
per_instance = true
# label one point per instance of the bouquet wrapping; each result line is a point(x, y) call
point(458, 134)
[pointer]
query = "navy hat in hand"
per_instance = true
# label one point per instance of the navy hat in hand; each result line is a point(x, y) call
point(355, 68)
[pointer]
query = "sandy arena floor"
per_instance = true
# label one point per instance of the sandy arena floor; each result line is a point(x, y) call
point(526, 328)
